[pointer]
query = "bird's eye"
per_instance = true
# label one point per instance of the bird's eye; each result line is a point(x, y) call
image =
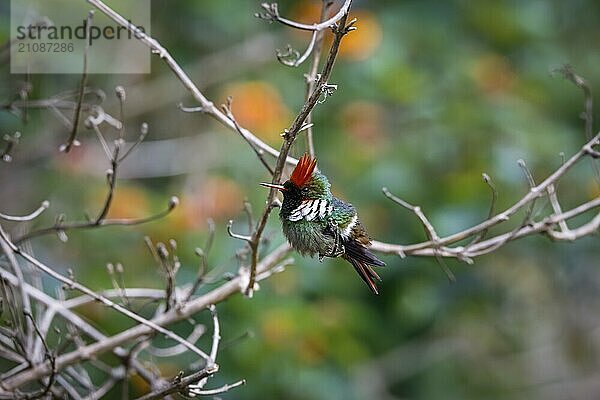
point(304, 190)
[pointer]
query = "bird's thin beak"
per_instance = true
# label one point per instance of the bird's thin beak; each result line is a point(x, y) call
point(272, 185)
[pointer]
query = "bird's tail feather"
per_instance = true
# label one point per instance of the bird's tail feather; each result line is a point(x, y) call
point(366, 273)
point(362, 259)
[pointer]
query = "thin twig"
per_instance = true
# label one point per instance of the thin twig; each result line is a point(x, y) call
point(588, 104)
point(531, 182)
point(311, 76)
point(481, 235)
point(259, 152)
point(111, 177)
point(172, 351)
point(216, 333)
point(203, 265)
point(51, 357)
point(72, 141)
point(180, 384)
point(245, 238)
point(25, 306)
point(429, 229)
point(140, 139)
point(292, 58)
point(222, 389)
point(272, 14)
point(64, 227)
point(557, 209)
point(43, 207)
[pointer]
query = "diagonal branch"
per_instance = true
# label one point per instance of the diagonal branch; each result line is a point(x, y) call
point(206, 105)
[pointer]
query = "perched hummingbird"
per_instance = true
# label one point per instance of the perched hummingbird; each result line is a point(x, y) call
point(317, 223)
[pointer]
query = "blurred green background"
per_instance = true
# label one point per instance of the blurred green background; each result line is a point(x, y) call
point(431, 94)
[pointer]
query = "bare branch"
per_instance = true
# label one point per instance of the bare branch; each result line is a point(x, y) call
point(61, 227)
point(272, 14)
point(424, 248)
point(190, 109)
point(51, 358)
point(212, 392)
point(234, 235)
point(186, 310)
point(111, 177)
point(203, 265)
point(311, 76)
point(292, 58)
point(56, 307)
point(556, 208)
point(429, 229)
point(484, 247)
point(180, 383)
point(24, 336)
point(140, 139)
point(216, 332)
point(193, 337)
point(75, 285)
point(43, 207)
point(587, 115)
point(568, 72)
point(72, 141)
point(490, 183)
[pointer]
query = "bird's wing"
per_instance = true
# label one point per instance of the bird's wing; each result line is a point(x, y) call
point(344, 216)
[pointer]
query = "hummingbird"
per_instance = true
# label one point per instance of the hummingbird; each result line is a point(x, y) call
point(317, 223)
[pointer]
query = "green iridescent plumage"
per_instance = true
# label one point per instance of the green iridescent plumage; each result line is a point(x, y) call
point(317, 223)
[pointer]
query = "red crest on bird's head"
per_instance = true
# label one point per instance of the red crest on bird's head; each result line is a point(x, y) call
point(304, 170)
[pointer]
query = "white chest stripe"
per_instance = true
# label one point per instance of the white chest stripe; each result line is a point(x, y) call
point(348, 228)
point(310, 209)
point(322, 208)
